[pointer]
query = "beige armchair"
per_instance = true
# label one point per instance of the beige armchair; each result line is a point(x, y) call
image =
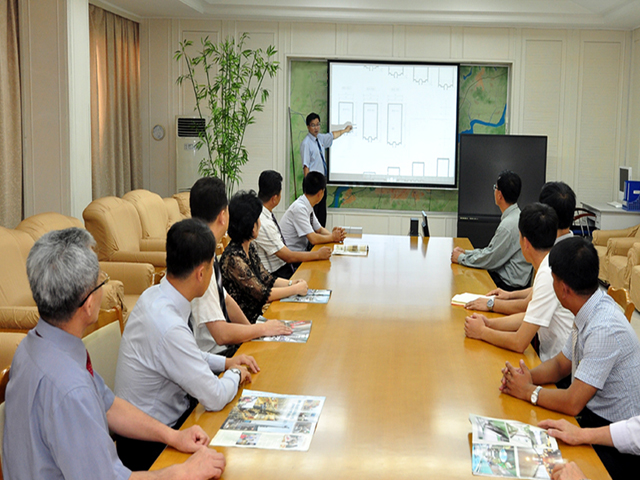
point(183, 203)
point(613, 243)
point(128, 280)
point(115, 225)
point(154, 218)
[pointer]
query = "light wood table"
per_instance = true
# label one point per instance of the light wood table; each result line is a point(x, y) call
point(400, 378)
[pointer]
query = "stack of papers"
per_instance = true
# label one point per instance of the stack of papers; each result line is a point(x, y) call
point(464, 298)
point(312, 296)
point(355, 250)
point(505, 448)
point(301, 330)
point(271, 421)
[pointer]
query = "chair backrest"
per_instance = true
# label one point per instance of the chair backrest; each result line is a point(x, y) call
point(173, 210)
point(115, 225)
point(4, 379)
point(14, 285)
point(103, 343)
point(183, 203)
point(152, 211)
point(621, 296)
point(9, 342)
point(37, 225)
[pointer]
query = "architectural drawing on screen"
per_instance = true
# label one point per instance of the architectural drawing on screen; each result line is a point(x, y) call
point(443, 167)
point(417, 169)
point(421, 75)
point(345, 113)
point(392, 174)
point(396, 72)
point(394, 124)
point(370, 122)
point(445, 78)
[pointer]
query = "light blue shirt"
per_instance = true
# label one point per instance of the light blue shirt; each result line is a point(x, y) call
point(503, 254)
point(297, 222)
point(608, 355)
point(56, 424)
point(159, 362)
point(310, 153)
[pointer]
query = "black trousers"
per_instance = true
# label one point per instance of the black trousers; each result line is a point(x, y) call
point(285, 271)
point(321, 210)
point(619, 465)
point(139, 455)
point(501, 283)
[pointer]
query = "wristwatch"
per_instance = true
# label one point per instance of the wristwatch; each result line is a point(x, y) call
point(490, 303)
point(236, 370)
point(290, 282)
point(534, 395)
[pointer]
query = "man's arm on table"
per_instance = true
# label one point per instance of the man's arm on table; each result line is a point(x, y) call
point(322, 235)
point(291, 256)
point(504, 302)
point(492, 256)
point(503, 333)
point(127, 420)
point(232, 333)
point(520, 383)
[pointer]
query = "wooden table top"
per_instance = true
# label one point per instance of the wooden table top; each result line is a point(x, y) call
point(400, 378)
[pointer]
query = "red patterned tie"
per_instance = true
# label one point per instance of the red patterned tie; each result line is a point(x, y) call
point(89, 366)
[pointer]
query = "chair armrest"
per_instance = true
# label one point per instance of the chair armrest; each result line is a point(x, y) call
point(153, 245)
point(601, 237)
point(136, 277)
point(157, 259)
point(620, 246)
point(18, 318)
point(113, 296)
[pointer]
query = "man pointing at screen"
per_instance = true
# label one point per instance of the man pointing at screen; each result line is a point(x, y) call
point(312, 152)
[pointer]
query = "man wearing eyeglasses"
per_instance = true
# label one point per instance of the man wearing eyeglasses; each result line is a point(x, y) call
point(312, 152)
point(503, 256)
point(58, 411)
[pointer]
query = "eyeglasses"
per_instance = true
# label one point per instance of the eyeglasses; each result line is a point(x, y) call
point(314, 125)
point(495, 187)
point(105, 278)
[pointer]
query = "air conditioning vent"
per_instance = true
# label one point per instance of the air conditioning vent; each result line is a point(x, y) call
point(191, 127)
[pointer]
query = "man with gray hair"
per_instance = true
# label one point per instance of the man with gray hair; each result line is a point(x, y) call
point(58, 410)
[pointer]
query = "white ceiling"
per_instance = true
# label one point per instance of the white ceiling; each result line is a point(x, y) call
point(607, 14)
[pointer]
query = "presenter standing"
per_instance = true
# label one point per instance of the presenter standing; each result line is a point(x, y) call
point(312, 151)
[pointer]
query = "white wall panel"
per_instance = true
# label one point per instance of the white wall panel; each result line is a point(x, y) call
point(313, 39)
point(372, 41)
point(433, 43)
point(485, 44)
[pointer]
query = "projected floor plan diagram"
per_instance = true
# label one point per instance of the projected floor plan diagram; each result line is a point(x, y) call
point(404, 119)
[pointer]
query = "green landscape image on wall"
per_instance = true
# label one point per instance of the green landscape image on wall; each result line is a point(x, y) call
point(482, 109)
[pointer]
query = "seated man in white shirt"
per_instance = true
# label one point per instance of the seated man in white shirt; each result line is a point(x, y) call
point(623, 435)
point(276, 257)
point(58, 411)
point(219, 324)
point(560, 197)
point(160, 368)
point(300, 227)
point(545, 316)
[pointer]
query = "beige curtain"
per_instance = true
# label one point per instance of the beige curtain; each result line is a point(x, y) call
point(10, 117)
point(116, 140)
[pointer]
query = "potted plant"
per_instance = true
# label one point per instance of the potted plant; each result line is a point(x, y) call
point(227, 100)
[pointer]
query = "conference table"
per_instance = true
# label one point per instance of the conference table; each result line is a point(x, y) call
point(400, 378)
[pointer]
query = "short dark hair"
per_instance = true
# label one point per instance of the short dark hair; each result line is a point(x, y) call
point(311, 117)
point(313, 183)
point(539, 224)
point(190, 243)
point(244, 210)
point(207, 199)
point(560, 197)
point(269, 184)
point(575, 262)
point(509, 184)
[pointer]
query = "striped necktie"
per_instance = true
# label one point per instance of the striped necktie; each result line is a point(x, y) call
point(324, 163)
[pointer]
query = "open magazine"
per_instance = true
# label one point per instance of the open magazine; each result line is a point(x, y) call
point(300, 334)
point(506, 448)
point(312, 296)
point(270, 421)
point(353, 250)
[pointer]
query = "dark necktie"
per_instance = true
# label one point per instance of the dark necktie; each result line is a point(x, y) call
point(322, 156)
point(279, 229)
point(89, 366)
point(223, 306)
